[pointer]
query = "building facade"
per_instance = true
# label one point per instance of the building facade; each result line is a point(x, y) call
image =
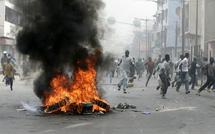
point(10, 24)
point(200, 33)
point(167, 27)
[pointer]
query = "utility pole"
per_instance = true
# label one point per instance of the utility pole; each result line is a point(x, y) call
point(162, 31)
point(147, 47)
point(147, 34)
point(139, 46)
point(196, 51)
point(176, 39)
point(183, 26)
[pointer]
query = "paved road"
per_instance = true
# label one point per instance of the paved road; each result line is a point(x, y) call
point(178, 114)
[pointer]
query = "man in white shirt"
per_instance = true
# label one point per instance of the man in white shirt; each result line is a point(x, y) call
point(177, 70)
point(125, 64)
point(184, 68)
point(165, 76)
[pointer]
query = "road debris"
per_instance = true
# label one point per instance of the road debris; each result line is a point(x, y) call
point(20, 109)
point(125, 106)
point(146, 113)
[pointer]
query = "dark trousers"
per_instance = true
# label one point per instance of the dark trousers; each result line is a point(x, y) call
point(165, 83)
point(210, 81)
point(9, 81)
point(149, 77)
point(183, 79)
point(193, 80)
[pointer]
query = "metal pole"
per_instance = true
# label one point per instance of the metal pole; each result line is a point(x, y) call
point(183, 26)
point(139, 46)
point(196, 52)
point(162, 36)
point(176, 39)
point(147, 38)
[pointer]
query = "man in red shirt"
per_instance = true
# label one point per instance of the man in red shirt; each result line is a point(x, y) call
point(150, 65)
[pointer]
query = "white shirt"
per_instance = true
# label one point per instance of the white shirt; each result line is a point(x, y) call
point(185, 65)
point(165, 67)
point(178, 66)
point(126, 63)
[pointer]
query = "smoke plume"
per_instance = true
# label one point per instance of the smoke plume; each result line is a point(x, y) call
point(58, 33)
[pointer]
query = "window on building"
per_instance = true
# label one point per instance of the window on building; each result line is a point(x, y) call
point(12, 16)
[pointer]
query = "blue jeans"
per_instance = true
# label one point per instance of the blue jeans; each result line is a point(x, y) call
point(184, 78)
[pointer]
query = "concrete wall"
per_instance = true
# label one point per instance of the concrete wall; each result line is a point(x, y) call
point(10, 30)
point(209, 26)
point(2, 17)
point(172, 19)
point(192, 16)
point(210, 20)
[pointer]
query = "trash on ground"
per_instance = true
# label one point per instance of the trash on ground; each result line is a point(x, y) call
point(125, 106)
point(147, 113)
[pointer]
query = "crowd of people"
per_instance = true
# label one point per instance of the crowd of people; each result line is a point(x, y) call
point(185, 71)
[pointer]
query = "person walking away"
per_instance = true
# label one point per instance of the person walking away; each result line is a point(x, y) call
point(192, 73)
point(203, 75)
point(125, 64)
point(157, 63)
point(139, 68)
point(150, 69)
point(9, 74)
point(184, 76)
point(133, 68)
point(158, 69)
point(210, 72)
point(165, 76)
point(111, 71)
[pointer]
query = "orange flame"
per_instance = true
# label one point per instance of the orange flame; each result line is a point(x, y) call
point(82, 90)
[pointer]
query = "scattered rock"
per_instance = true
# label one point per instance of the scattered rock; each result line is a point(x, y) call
point(157, 109)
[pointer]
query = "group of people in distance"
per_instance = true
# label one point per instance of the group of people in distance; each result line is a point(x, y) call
point(185, 73)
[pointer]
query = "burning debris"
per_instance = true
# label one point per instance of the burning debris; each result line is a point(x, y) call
point(63, 34)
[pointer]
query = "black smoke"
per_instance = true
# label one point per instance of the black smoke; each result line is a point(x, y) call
point(58, 33)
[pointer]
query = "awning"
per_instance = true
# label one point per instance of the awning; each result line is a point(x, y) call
point(211, 42)
point(7, 41)
point(191, 35)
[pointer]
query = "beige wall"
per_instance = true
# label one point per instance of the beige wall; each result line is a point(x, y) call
point(192, 16)
point(209, 20)
point(206, 22)
point(211, 49)
point(2, 16)
point(209, 32)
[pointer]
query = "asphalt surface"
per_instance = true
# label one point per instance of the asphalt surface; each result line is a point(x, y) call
point(178, 114)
